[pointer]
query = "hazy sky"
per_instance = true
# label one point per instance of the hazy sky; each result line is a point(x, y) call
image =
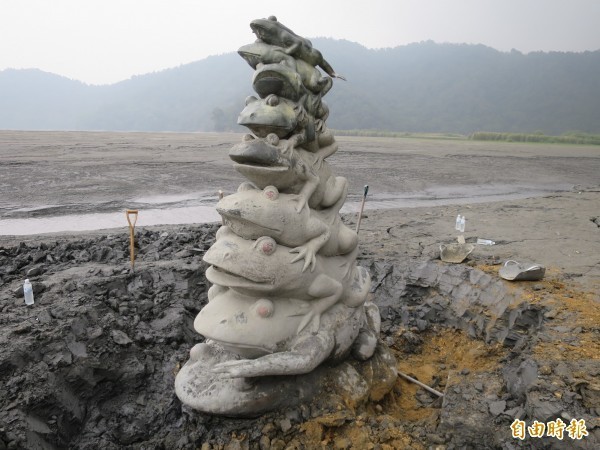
point(105, 41)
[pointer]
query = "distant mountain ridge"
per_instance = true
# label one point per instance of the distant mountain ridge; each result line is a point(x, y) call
point(422, 87)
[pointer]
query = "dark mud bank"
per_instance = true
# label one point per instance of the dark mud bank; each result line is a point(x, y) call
point(92, 364)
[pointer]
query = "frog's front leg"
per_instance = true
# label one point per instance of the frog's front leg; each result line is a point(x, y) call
point(309, 250)
point(321, 154)
point(310, 185)
point(326, 291)
point(303, 357)
point(292, 48)
point(324, 153)
point(289, 145)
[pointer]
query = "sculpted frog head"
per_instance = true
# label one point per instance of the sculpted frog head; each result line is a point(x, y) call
point(249, 265)
point(249, 326)
point(262, 267)
point(265, 333)
point(252, 213)
point(271, 115)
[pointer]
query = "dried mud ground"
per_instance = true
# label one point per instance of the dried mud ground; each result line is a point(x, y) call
point(92, 363)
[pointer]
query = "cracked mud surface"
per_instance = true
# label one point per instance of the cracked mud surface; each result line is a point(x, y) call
point(92, 364)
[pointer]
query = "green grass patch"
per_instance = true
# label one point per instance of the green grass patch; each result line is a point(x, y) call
point(572, 137)
point(398, 134)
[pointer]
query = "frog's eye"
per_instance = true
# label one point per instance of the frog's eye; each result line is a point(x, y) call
point(271, 192)
point(263, 308)
point(266, 245)
point(250, 99)
point(272, 139)
point(246, 186)
point(272, 100)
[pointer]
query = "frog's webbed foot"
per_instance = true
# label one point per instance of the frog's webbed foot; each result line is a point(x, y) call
point(233, 369)
point(314, 319)
point(307, 309)
point(307, 253)
point(306, 354)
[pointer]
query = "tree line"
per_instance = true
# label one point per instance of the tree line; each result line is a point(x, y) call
point(418, 88)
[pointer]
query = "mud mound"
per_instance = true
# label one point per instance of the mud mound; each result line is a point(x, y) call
point(92, 363)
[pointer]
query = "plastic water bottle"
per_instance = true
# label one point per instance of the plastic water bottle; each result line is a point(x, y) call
point(462, 224)
point(457, 227)
point(28, 292)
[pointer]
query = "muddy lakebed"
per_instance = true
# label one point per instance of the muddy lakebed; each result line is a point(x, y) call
point(75, 181)
point(92, 363)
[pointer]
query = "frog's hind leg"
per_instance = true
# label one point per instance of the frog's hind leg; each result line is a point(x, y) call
point(347, 239)
point(366, 341)
point(357, 292)
point(303, 357)
point(335, 196)
point(324, 85)
point(327, 292)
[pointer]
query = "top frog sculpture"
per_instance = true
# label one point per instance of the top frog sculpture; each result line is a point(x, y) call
point(275, 33)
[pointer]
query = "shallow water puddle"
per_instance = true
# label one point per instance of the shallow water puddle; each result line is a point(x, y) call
point(100, 221)
point(206, 212)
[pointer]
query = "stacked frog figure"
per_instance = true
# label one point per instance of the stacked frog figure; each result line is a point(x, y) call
point(286, 291)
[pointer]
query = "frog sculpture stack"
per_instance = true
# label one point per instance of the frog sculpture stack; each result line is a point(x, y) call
point(287, 294)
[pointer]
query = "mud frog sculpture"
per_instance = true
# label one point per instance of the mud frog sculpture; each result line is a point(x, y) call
point(238, 324)
point(275, 115)
point(252, 213)
point(287, 293)
point(273, 162)
point(274, 33)
point(285, 119)
point(263, 268)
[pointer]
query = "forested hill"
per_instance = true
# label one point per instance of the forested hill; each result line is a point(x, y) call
point(424, 87)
